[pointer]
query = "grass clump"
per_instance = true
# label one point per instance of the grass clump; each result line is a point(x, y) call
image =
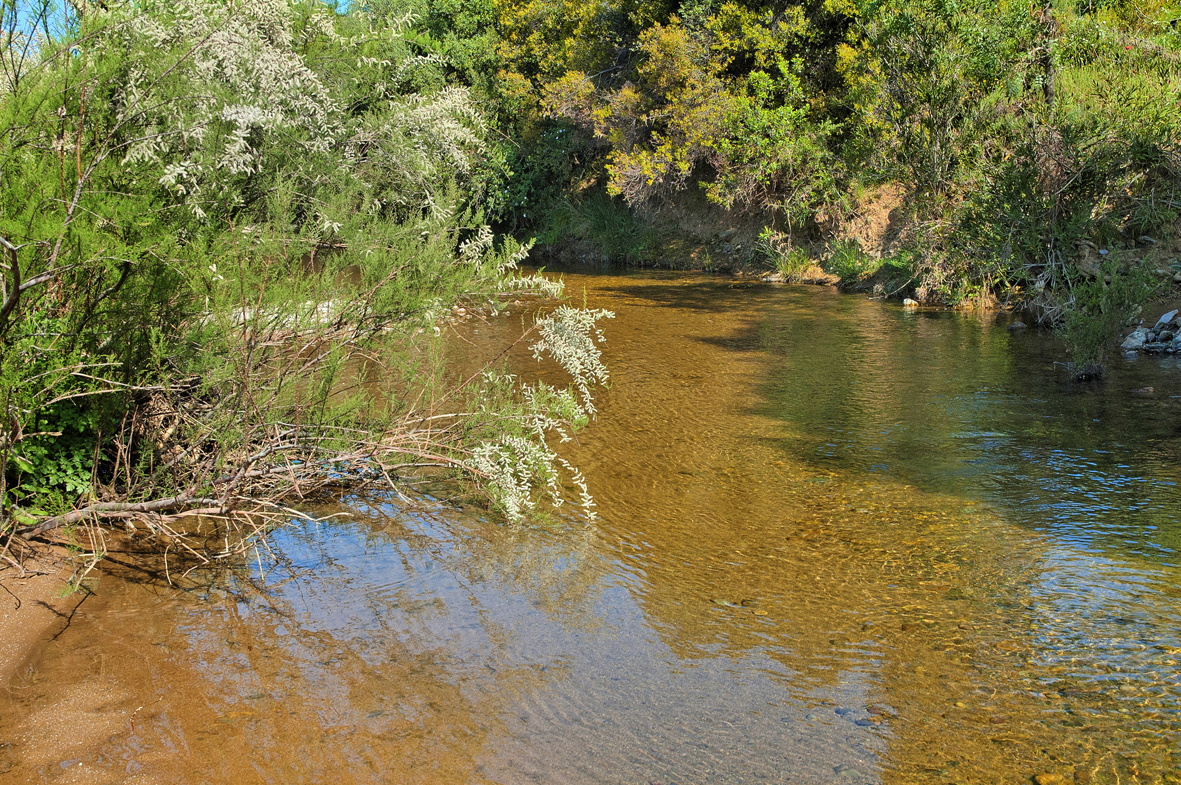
point(774, 250)
point(847, 261)
point(603, 222)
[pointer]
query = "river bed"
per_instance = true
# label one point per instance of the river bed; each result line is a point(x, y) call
point(838, 542)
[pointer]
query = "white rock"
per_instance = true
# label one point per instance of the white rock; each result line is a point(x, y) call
point(1166, 318)
point(1135, 340)
point(909, 303)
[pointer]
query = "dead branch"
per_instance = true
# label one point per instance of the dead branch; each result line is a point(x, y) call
point(105, 509)
point(13, 296)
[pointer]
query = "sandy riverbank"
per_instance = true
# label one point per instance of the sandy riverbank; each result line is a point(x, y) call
point(32, 610)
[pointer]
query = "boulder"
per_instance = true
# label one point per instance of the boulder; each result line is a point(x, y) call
point(909, 303)
point(1135, 341)
point(1165, 319)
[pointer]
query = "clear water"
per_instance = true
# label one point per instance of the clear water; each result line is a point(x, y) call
point(838, 543)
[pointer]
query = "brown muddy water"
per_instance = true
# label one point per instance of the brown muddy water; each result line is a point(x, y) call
point(838, 543)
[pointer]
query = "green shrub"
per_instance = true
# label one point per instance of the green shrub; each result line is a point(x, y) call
point(774, 251)
point(1099, 311)
point(896, 273)
point(213, 216)
point(605, 222)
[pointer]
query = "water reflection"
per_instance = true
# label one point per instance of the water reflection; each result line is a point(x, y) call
point(838, 543)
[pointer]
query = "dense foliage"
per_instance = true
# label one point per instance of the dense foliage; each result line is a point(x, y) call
point(215, 212)
point(224, 223)
point(1017, 133)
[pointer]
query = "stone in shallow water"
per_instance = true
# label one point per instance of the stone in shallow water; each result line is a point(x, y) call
point(1136, 340)
point(1049, 778)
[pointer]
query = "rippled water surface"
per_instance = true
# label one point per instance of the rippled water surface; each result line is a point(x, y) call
point(838, 543)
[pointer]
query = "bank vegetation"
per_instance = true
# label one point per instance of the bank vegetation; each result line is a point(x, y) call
point(1021, 153)
point(231, 232)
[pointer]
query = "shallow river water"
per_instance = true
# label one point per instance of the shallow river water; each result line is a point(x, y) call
point(837, 543)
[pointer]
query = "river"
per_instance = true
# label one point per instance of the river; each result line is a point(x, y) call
point(838, 542)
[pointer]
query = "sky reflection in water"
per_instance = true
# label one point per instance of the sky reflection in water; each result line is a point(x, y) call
point(838, 543)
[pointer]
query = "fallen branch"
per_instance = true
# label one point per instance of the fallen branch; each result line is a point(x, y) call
point(117, 509)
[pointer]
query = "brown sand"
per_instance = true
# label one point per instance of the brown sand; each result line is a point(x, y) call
point(35, 608)
point(32, 610)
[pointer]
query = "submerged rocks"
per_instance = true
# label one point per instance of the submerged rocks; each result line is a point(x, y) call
point(1048, 778)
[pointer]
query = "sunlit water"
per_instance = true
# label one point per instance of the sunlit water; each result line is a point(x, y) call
point(838, 543)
